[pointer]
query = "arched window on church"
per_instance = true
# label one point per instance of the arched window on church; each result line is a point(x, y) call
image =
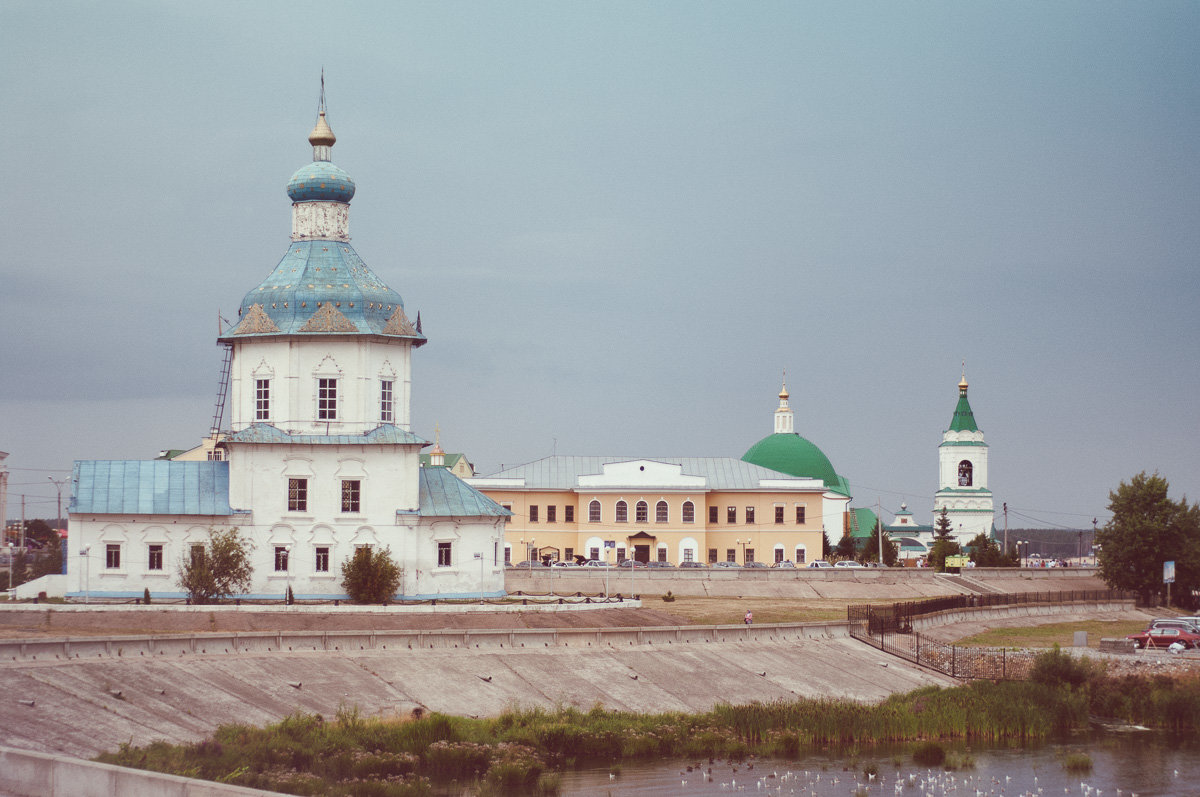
point(965, 473)
point(594, 512)
point(622, 512)
point(660, 512)
point(643, 512)
point(689, 512)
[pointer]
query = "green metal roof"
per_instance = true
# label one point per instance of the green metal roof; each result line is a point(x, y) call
point(796, 456)
point(964, 419)
point(862, 522)
point(150, 487)
point(442, 494)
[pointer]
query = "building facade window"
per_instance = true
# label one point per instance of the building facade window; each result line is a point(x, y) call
point(281, 558)
point(593, 553)
point(507, 555)
point(569, 513)
point(965, 473)
point(321, 563)
point(712, 556)
point(662, 554)
point(689, 512)
point(660, 512)
point(800, 515)
point(533, 513)
point(594, 512)
point(196, 552)
point(642, 512)
point(687, 554)
point(749, 514)
point(778, 555)
point(620, 554)
point(262, 399)
point(351, 492)
point(327, 395)
point(568, 554)
point(155, 558)
point(712, 514)
point(387, 412)
point(216, 455)
point(444, 558)
point(731, 514)
point(551, 514)
point(112, 556)
point(800, 556)
point(297, 495)
point(779, 514)
point(731, 554)
point(622, 512)
point(749, 554)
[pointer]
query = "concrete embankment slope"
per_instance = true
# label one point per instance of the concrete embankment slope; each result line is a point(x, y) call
point(94, 703)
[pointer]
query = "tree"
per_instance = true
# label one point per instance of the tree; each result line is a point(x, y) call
point(942, 528)
point(985, 552)
point(370, 576)
point(1148, 528)
point(219, 569)
point(847, 547)
point(826, 548)
point(870, 547)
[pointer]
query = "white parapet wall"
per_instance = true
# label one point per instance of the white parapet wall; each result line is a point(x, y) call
point(28, 774)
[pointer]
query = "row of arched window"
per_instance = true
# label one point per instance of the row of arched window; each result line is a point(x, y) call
point(641, 512)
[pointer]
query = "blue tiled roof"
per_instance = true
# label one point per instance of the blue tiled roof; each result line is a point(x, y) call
point(328, 276)
point(150, 487)
point(320, 180)
point(442, 494)
point(380, 435)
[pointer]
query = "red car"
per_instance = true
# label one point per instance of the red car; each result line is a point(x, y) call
point(1165, 637)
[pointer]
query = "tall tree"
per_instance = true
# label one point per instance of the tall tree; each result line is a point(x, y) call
point(370, 576)
point(870, 547)
point(219, 569)
point(942, 527)
point(847, 547)
point(1147, 529)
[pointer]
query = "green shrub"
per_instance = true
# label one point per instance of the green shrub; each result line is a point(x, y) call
point(1055, 668)
point(370, 576)
point(1078, 763)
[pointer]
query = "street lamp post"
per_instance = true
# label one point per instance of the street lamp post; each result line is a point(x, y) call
point(84, 553)
point(287, 562)
point(743, 544)
point(10, 564)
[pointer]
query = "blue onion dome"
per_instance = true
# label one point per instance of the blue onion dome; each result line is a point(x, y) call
point(320, 181)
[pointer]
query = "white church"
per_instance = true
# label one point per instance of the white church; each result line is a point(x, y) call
point(319, 457)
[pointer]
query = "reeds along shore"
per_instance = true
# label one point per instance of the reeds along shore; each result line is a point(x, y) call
point(519, 751)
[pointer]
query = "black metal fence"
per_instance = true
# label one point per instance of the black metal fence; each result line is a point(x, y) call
point(889, 627)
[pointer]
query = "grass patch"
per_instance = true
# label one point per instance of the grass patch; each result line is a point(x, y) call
point(1078, 763)
point(1051, 634)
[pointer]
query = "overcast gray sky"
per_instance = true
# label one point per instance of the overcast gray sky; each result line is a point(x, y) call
point(621, 220)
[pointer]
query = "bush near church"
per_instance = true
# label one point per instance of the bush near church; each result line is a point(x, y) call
point(370, 576)
point(219, 569)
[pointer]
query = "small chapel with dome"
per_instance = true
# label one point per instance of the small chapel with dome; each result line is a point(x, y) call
point(319, 457)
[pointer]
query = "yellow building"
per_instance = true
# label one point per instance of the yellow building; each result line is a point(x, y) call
point(686, 509)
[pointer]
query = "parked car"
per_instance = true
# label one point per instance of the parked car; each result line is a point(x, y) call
point(848, 563)
point(594, 563)
point(1181, 623)
point(784, 563)
point(1165, 637)
point(692, 565)
point(529, 565)
point(819, 563)
point(726, 564)
point(755, 564)
point(564, 564)
point(1194, 622)
point(632, 563)
point(660, 564)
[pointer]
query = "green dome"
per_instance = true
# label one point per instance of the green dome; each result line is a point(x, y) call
point(795, 456)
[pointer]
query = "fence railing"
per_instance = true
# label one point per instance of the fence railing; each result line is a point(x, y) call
point(889, 627)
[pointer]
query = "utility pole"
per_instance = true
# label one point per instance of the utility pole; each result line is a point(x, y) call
point(1006, 529)
point(879, 520)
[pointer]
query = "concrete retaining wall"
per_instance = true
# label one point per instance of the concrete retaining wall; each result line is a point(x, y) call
point(984, 613)
point(175, 645)
point(28, 774)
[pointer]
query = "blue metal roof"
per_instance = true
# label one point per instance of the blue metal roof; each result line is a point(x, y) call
point(442, 494)
point(320, 181)
point(150, 487)
point(386, 434)
point(322, 287)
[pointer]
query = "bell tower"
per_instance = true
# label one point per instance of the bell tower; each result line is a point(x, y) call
point(963, 473)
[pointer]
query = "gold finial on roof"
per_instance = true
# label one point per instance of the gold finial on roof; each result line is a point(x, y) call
point(322, 135)
point(962, 385)
point(783, 394)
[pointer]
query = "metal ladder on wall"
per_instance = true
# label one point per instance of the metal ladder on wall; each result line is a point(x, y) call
point(222, 390)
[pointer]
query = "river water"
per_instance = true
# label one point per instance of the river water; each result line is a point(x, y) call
point(1124, 764)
